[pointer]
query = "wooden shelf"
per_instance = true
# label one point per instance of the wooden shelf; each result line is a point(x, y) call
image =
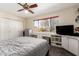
point(56, 45)
point(55, 42)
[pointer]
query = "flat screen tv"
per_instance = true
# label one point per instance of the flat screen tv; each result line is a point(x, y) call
point(65, 30)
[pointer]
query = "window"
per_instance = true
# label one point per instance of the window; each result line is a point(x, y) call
point(36, 23)
point(47, 24)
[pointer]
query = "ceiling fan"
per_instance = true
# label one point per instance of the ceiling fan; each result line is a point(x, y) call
point(27, 7)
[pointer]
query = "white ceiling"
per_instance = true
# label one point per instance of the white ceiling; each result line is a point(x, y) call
point(41, 9)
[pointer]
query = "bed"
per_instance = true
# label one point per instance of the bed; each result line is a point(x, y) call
point(24, 46)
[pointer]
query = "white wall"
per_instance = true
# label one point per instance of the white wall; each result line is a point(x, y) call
point(28, 23)
point(66, 17)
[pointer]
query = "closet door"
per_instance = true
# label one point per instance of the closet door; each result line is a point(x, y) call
point(1, 26)
point(6, 29)
point(18, 28)
point(3, 29)
point(15, 28)
point(10, 29)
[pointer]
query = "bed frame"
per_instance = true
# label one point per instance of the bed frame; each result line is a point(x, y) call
point(47, 54)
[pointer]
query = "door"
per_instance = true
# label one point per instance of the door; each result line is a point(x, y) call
point(15, 28)
point(1, 28)
point(10, 29)
point(65, 42)
point(73, 45)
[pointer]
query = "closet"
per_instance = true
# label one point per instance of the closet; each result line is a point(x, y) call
point(10, 28)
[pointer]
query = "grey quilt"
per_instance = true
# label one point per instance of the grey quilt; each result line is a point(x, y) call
point(23, 46)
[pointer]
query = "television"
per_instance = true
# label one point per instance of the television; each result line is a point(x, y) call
point(65, 29)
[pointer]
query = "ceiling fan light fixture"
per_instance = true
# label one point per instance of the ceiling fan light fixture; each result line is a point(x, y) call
point(26, 11)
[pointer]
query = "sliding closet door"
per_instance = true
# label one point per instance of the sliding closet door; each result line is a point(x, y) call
point(1, 26)
point(10, 29)
point(15, 28)
point(3, 29)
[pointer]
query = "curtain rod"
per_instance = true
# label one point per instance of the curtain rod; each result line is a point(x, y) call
point(47, 18)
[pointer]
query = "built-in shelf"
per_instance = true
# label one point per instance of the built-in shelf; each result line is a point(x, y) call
point(56, 40)
point(52, 44)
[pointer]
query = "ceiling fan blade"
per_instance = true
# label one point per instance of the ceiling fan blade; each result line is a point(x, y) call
point(20, 10)
point(25, 4)
point(33, 6)
point(20, 4)
point(30, 11)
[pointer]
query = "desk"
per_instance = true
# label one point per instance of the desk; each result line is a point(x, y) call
point(51, 37)
point(41, 34)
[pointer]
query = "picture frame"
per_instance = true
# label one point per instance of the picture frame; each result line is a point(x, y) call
point(77, 19)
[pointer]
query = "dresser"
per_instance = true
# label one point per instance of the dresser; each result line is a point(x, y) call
point(71, 43)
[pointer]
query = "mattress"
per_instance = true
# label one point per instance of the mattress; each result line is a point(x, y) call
point(24, 46)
